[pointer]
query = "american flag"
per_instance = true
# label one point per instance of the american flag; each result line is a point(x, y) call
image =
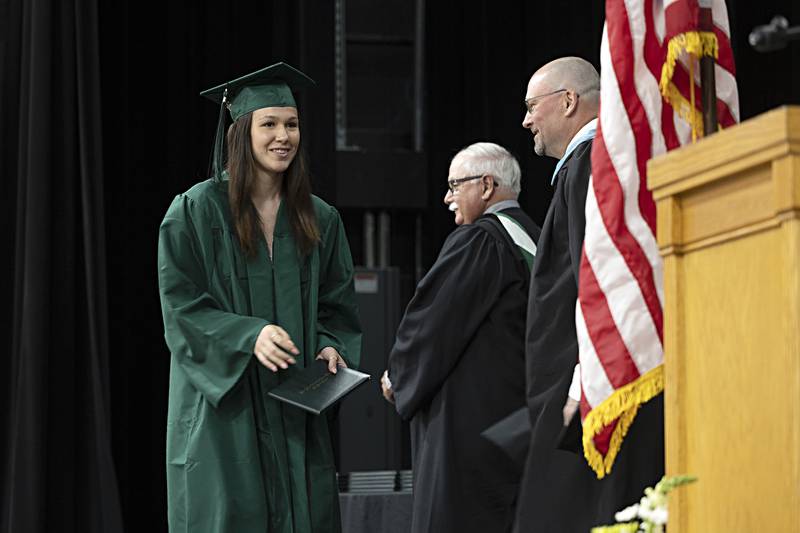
point(649, 62)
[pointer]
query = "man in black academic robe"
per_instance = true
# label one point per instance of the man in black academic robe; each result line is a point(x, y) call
point(560, 492)
point(458, 365)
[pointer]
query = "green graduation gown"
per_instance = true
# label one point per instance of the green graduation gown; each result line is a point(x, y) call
point(237, 460)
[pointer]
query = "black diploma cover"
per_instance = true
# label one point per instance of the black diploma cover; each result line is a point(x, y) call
point(314, 388)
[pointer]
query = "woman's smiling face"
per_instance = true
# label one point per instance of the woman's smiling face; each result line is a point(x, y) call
point(275, 137)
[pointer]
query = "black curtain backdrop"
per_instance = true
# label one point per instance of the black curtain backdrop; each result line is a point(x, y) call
point(102, 125)
point(58, 472)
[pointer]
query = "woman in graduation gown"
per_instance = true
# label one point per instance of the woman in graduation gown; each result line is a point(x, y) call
point(255, 279)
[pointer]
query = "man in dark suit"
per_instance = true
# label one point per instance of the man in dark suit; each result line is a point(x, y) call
point(562, 102)
point(560, 492)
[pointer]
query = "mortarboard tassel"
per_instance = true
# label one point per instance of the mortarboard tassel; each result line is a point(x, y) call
point(216, 163)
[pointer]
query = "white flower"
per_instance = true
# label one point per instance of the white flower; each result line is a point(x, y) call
point(650, 514)
point(659, 516)
point(656, 498)
point(627, 514)
point(656, 515)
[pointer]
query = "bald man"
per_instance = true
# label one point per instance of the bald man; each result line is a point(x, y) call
point(560, 492)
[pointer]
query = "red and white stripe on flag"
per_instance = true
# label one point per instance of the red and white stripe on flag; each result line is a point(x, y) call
point(648, 46)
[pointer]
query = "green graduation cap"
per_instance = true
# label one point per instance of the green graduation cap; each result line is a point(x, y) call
point(271, 86)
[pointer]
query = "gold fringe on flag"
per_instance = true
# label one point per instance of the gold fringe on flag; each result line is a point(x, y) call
point(622, 405)
point(697, 44)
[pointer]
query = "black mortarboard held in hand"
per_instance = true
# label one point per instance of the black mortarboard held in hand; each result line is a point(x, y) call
point(271, 86)
point(512, 434)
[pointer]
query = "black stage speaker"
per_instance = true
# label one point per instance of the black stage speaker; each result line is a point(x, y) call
point(379, 106)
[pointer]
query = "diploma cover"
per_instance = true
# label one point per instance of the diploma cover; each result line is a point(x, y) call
point(314, 388)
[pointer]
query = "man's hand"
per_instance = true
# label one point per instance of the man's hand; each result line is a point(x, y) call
point(569, 410)
point(386, 387)
point(274, 348)
point(333, 358)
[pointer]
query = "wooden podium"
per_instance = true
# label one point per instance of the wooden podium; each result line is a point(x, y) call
point(729, 232)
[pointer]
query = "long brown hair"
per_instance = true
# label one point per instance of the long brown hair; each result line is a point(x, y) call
point(296, 192)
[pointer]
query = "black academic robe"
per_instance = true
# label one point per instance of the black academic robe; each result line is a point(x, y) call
point(559, 491)
point(457, 367)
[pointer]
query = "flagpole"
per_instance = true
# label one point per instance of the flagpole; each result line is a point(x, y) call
point(708, 79)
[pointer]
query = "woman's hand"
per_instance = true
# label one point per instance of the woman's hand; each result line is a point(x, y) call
point(333, 358)
point(274, 348)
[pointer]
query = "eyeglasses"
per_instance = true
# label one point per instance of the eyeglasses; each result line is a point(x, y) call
point(454, 183)
point(530, 103)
